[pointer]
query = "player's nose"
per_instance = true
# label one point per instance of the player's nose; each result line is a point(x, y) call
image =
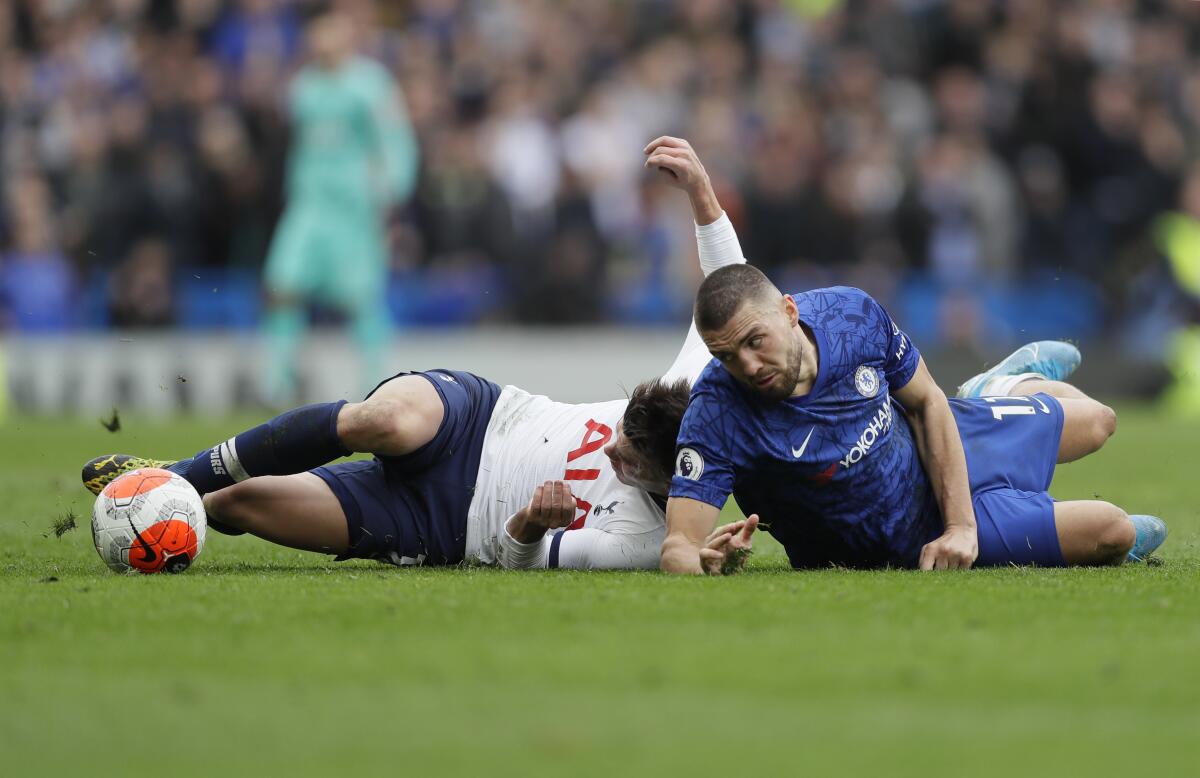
point(750, 364)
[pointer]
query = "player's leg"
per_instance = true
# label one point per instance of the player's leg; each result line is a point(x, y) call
point(1087, 425)
point(402, 415)
point(1019, 527)
point(290, 279)
point(371, 326)
point(285, 323)
point(359, 287)
point(1047, 359)
point(409, 505)
point(1022, 528)
point(399, 417)
point(1093, 532)
point(299, 511)
point(1031, 385)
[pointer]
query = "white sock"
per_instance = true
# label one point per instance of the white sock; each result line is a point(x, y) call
point(1002, 385)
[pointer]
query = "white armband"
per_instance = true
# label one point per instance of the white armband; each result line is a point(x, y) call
point(514, 555)
point(718, 245)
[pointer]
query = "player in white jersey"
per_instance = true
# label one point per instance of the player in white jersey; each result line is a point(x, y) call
point(463, 469)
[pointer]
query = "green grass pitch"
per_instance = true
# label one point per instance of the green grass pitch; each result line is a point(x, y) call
point(270, 661)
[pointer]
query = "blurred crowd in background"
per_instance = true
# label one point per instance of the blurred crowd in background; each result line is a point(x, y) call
point(988, 169)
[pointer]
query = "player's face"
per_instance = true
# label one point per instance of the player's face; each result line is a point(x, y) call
point(630, 467)
point(760, 347)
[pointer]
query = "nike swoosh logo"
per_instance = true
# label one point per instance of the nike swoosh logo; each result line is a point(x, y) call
point(799, 452)
point(148, 554)
point(1045, 409)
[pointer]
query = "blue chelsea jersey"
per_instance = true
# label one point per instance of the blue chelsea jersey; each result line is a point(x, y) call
point(834, 475)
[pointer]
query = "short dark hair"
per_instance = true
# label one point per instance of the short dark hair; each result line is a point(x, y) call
point(724, 291)
point(652, 419)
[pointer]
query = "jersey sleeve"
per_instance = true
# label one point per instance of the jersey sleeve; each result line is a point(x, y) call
point(624, 543)
point(586, 548)
point(703, 454)
point(691, 360)
point(718, 246)
point(394, 139)
point(595, 549)
point(902, 356)
point(880, 336)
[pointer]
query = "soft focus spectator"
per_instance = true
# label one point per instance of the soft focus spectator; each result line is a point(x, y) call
point(37, 284)
point(140, 290)
point(967, 148)
point(352, 158)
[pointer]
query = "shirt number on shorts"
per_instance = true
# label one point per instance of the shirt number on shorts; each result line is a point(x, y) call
point(1016, 406)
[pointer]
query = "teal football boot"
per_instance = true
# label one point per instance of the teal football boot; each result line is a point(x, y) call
point(1052, 359)
point(1151, 532)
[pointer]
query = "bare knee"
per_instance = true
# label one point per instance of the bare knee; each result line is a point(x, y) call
point(376, 426)
point(1116, 536)
point(391, 423)
point(1103, 423)
point(1093, 532)
point(361, 426)
point(1107, 422)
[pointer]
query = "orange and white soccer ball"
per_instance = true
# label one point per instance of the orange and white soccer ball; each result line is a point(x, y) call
point(149, 521)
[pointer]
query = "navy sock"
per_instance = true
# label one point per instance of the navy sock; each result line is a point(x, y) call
point(292, 442)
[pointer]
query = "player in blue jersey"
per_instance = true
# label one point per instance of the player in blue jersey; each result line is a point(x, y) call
point(819, 415)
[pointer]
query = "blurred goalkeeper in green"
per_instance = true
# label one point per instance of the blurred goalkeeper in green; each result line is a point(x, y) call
point(353, 156)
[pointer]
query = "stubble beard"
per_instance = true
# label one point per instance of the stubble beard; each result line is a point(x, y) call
point(782, 389)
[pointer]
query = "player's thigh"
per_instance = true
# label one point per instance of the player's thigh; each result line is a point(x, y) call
point(1092, 532)
point(358, 272)
point(1010, 442)
point(1087, 424)
point(299, 511)
point(294, 267)
point(399, 417)
point(1016, 527)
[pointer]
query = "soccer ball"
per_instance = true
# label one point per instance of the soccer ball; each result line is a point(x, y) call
point(149, 521)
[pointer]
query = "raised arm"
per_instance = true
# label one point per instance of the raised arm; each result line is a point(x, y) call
point(399, 154)
point(716, 241)
point(680, 166)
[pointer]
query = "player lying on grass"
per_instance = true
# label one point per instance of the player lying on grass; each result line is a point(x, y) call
point(819, 415)
point(463, 469)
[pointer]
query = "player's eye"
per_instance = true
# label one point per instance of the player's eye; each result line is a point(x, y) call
point(756, 341)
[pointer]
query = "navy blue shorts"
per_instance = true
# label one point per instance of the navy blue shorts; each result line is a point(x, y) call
point(413, 509)
point(1011, 445)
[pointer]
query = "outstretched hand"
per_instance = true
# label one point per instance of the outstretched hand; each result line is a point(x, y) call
point(727, 547)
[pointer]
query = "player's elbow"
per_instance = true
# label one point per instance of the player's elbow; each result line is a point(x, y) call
point(936, 400)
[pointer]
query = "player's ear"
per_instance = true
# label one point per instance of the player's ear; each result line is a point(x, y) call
point(790, 309)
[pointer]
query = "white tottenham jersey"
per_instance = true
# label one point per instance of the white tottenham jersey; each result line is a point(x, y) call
point(532, 439)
